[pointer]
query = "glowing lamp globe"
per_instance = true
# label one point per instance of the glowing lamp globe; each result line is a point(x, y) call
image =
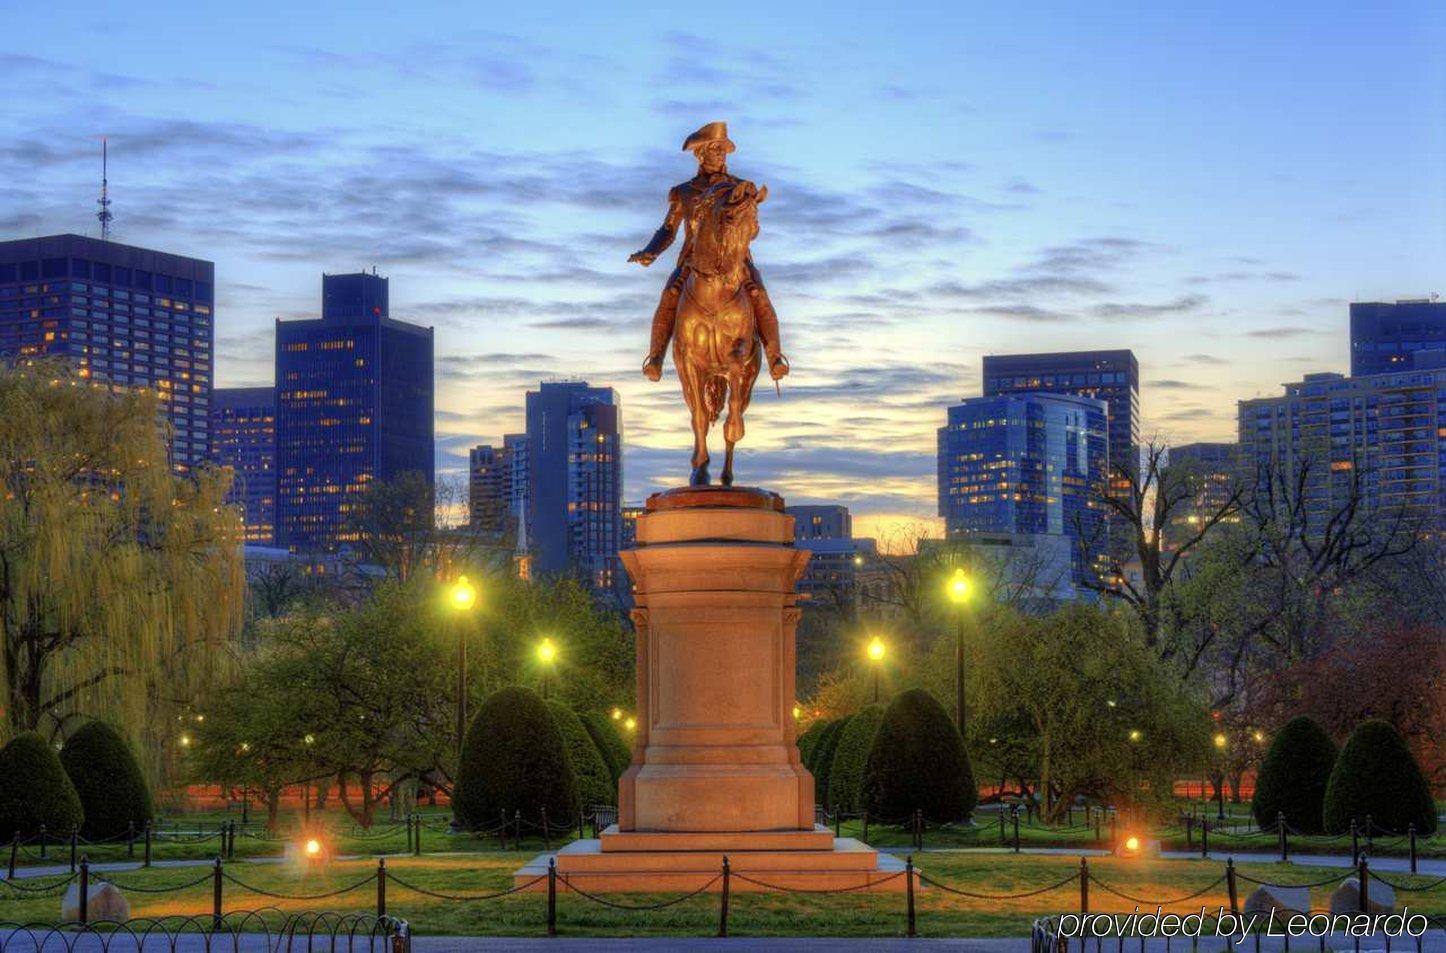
point(546, 651)
point(958, 588)
point(876, 649)
point(463, 595)
point(1132, 843)
point(313, 848)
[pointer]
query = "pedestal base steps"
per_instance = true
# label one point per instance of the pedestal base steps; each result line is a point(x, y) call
point(758, 861)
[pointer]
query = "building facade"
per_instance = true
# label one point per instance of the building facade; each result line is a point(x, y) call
point(1386, 336)
point(574, 474)
point(1381, 438)
point(133, 316)
point(1215, 471)
point(489, 490)
point(838, 559)
point(1110, 376)
point(243, 439)
point(1023, 465)
point(354, 403)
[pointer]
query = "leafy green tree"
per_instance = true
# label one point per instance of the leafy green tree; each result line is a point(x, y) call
point(1375, 775)
point(595, 783)
point(1103, 716)
point(609, 743)
point(121, 583)
point(113, 792)
point(514, 760)
point(1293, 777)
point(35, 790)
point(917, 762)
point(850, 758)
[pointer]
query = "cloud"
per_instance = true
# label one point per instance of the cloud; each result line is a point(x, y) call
point(1116, 311)
point(1174, 384)
point(1281, 333)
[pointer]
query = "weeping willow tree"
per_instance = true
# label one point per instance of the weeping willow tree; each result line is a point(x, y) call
point(121, 583)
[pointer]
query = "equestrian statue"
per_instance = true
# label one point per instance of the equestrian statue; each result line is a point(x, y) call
point(714, 307)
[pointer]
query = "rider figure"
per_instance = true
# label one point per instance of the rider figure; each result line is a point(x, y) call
point(711, 146)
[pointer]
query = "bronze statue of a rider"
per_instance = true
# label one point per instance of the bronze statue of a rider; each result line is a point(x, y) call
point(711, 146)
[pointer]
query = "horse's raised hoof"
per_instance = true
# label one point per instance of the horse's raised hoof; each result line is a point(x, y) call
point(727, 478)
point(700, 476)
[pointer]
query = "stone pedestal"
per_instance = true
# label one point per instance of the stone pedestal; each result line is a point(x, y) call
point(715, 769)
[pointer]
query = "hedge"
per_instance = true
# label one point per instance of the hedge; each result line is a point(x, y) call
point(850, 757)
point(823, 758)
point(35, 790)
point(1293, 777)
point(918, 761)
point(610, 744)
point(113, 792)
point(514, 760)
point(1376, 775)
point(595, 783)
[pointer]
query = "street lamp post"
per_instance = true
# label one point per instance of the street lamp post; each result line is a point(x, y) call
point(547, 654)
point(463, 596)
point(1220, 742)
point(959, 590)
point(877, 650)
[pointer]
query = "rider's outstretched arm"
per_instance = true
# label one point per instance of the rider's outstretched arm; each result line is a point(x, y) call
point(665, 234)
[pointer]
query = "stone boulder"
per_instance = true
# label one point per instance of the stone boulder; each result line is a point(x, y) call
point(1346, 898)
point(1283, 901)
point(104, 902)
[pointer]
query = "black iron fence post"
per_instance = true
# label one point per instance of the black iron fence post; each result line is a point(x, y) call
point(14, 852)
point(130, 838)
point(517, 828)
point(407, 820)
point(909, 888)
point(1355, 843)
point(1015, 813)
point(546, 834)
point(1230, 885)
point(581, 821)
point(1410, 836)
point(147, 862)
point(44, 842)
point(1284, 844)
point(74, 843)
point(502, 831)
point(1097, 826)
point(552, 896)
point(865, 837)
point(84, 910)
point(1204, 837)
point(1370, 835)
point(381, 887)
point(1114, 817)
point(416, 835)
point(1084, 885)
point(216, 895)
point(723, 904)
point(838, 823)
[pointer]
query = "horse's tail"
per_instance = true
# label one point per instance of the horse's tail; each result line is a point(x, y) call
point(715, 395)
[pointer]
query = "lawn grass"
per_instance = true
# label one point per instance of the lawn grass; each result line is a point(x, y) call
point(939, 912)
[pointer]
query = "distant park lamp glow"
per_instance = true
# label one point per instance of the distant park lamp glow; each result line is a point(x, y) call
point(617, 714)
point(796, 712)
point(313, 847)
point(463, 594)
point(1110, 702)
point(858, 560)
point(185, 741)
point(1259, 736)
point(877, 649)
point(959, 587)
point(1220, 740)
point(630, 724)
point(547, 651)
point(1136, 734)
point(1132, 843)
point(309, 739)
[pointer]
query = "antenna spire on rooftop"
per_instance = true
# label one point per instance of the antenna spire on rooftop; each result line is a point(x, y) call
point(104, 215)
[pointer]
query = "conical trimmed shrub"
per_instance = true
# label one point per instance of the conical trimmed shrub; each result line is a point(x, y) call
point(610, 744)
point(1293, 777)
point(809, 740)
point(823, 758)
point(918, 762)
point(1376, 775)
point(514, 760)
point(850, 757)
point(594, 777)
point(35, 790)
point(113, 792)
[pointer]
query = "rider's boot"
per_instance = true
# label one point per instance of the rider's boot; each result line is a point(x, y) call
point(767, 320)
point(663, 320)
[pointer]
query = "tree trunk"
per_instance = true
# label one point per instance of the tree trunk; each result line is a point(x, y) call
point(273, 809)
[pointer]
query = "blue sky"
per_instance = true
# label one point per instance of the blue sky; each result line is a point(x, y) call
point(1208, 184)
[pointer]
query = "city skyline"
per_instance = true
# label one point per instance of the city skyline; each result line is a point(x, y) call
point(1119, 183)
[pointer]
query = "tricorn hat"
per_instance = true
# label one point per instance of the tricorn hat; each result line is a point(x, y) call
point(712, 132)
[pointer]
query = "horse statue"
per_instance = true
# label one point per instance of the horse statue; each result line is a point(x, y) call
point(715, 340)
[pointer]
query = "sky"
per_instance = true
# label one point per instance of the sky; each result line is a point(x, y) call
point(1208, 184)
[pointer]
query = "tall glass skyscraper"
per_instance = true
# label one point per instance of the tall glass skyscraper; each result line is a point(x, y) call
point(1386, 336)
point(1023, 465)
point(132, 316)
point(1111, 376)
point(354, 403)
point(1385, 433)
point(243, 437)
point(574, 481)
